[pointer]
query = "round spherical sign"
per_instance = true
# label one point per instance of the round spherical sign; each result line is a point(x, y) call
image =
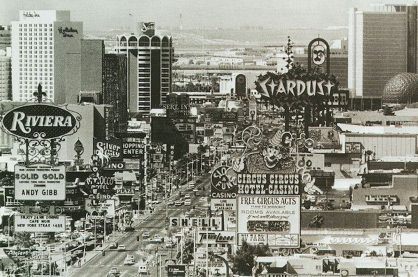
point(40, 121)
point(223, 180)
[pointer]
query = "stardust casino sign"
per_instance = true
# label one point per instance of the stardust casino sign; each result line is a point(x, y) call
point(40, 122)
point(297, 84)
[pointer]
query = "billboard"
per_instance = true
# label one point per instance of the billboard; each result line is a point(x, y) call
point(223, 204)
point(353, 147)
point(40, 122)
point(215, 223)
point(108, 206)
point(275, 218)
point(109, 148)
point(39, 223)
point(39, 182)
point(132, 149)
point(309, 161)
point(215, 237)
point(176, 270)
point(268, 183)
point(223, 183)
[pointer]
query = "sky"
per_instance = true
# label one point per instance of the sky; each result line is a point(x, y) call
point(103, 15)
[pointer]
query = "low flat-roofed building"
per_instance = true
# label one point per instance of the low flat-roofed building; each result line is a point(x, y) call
point(398, 193)
point(383, 141)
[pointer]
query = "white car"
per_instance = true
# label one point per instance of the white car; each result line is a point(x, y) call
point(157, 239)
point(129, 260)
point(187, 202)
point(121, 247)
point(170, 244)
point(142, 269)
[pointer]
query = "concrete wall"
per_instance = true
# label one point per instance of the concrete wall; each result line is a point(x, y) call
point(341, 219)
point(392, 145)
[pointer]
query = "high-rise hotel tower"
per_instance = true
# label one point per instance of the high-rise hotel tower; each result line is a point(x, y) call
point(44, 44)
point(149, 63)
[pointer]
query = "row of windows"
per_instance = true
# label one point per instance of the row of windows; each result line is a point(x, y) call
point(36, 47)
point(24, 39)
point(26, 43)
point(35, 76)
point(35, 70)
point(26, 82)
point(35, 25)
point(34, 64)
point(35, 36)
point(35, 59)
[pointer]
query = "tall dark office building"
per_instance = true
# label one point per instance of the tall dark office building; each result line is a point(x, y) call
point(5, 37)
point(382, 43)
point(115, 89)
point(149, 62)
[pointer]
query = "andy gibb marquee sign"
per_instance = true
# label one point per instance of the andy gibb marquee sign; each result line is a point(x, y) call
point(39, 129)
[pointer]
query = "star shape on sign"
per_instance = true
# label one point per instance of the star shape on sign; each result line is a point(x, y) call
point(272, 85)
point(329, 85)
point(263, 85)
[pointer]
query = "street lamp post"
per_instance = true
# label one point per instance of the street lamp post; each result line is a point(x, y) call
point(8, 229)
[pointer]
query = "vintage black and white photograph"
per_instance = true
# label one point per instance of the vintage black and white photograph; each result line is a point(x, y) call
point(205, 138)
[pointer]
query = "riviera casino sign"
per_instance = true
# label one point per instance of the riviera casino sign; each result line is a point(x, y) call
point(40, 122)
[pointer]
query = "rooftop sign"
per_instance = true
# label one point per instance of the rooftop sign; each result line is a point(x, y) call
point(40, 122)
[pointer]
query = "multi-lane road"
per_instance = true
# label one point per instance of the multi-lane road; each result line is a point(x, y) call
point(144, 249)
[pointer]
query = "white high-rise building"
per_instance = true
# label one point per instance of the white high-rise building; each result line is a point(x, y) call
point(44, 44)
point(149, 66)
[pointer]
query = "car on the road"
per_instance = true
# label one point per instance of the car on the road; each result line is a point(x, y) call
point(191, 184)
point(129, 229)
point(146, 235)
point(114, 272)
point(142, 269)
point(202, 199)
point(121, 247)
point(129, 260)
point(157, 239)
point(113, 245)
point(170, 244)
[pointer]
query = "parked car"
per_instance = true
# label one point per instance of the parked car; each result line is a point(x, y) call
point(187, 202)
point(121, 247)
point(178, 203)
point(145, 235)
point(113, 245)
